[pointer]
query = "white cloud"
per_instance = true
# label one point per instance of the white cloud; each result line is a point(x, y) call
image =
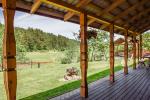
point(46, 24)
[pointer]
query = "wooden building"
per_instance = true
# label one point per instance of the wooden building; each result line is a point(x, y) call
point(129, 18)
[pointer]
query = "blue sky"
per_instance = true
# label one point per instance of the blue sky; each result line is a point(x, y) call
point(46, 24)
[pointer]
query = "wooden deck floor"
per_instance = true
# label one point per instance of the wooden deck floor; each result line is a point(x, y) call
point(134, 86)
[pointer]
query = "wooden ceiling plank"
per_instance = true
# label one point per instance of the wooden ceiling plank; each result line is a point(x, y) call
point(35, 6)
point(140, 23)
point(106, 10)
point(146, 29)
point(104, 26)
point(143, 27)
point(127, 23)
point(72, 8)
point(81, 3)
point(124, 13)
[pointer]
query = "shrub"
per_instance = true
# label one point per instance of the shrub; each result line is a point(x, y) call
point(66, 60)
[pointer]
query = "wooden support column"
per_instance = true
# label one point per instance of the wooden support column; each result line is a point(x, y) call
point(126, 53)
point(138, 51)
point(83, 55)
point(134, 52)
point(111, 47)
point(9, 49)
point(141, 50)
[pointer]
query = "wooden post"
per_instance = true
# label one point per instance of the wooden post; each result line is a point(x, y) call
point(126, 53)
point(31, 64)
point(138, 51)
point(38, 64)
point(134, 52)
point(141, 50)
point(9, 49)
point(83, 55)
point(111, 47)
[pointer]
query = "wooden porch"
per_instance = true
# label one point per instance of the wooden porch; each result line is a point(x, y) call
point(133, 86)
point(124, 17)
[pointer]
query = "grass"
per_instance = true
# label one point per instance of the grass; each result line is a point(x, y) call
point(44, 82)
point(70, 86)
point(50, 56)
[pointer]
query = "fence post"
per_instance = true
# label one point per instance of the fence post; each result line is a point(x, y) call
point(31, 63)
point(38, 64)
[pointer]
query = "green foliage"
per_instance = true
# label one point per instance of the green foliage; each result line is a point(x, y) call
point(146, 41)
point(66, 60)
point(98, 47)
point(69, 57)
point(34, 39)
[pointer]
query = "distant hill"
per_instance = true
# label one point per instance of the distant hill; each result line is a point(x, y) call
point(34, 39)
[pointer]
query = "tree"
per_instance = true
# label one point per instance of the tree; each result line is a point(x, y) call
point(146, 41)
point(98, 47)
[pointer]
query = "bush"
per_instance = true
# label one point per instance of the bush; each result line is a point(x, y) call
point(66, 60)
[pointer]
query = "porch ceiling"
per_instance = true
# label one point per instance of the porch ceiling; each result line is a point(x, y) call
point(133, 15)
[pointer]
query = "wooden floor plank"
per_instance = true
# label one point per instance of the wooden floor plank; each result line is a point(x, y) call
point(122, 89)
point(134, 86)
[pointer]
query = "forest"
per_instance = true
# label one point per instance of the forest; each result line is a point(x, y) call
point(34, 40)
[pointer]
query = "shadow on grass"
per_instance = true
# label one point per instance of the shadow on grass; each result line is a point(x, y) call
point(68, 87)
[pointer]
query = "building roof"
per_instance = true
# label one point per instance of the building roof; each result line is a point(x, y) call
point(133, 15)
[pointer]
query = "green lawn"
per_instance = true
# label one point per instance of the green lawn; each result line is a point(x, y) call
point(34, 81)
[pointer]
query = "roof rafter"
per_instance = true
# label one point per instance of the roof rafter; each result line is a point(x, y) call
point(106, 10)
point(144, 27)
point(127, 22)
point(69, 7)
point(140, 22)
point(70, 13)
point(124, 13)
point(35, 6)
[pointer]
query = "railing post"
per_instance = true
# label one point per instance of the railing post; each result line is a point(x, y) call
point(111, 47)
point(9, 49)
point(83, 55)
point(126, 53)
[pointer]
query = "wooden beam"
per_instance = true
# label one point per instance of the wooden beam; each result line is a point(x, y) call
point(126, 53)
point(9, 49)
point(134, 52)
point(83, 55)
point(125, 12)
point(141, 22)
point(147, 27)
point(141, 27)
point(81, 3)
point(35, 6)
point(132, 19)
point(138, 16)
point(141, 50)
point(104, 26)
point(138, 51)
point(72, 8)
point(106, 10)
point(111, 47)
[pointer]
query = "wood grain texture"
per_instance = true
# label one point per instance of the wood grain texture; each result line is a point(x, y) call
point(126, 53)
point(111, 47)
point(83, 55)
point(9, 50)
